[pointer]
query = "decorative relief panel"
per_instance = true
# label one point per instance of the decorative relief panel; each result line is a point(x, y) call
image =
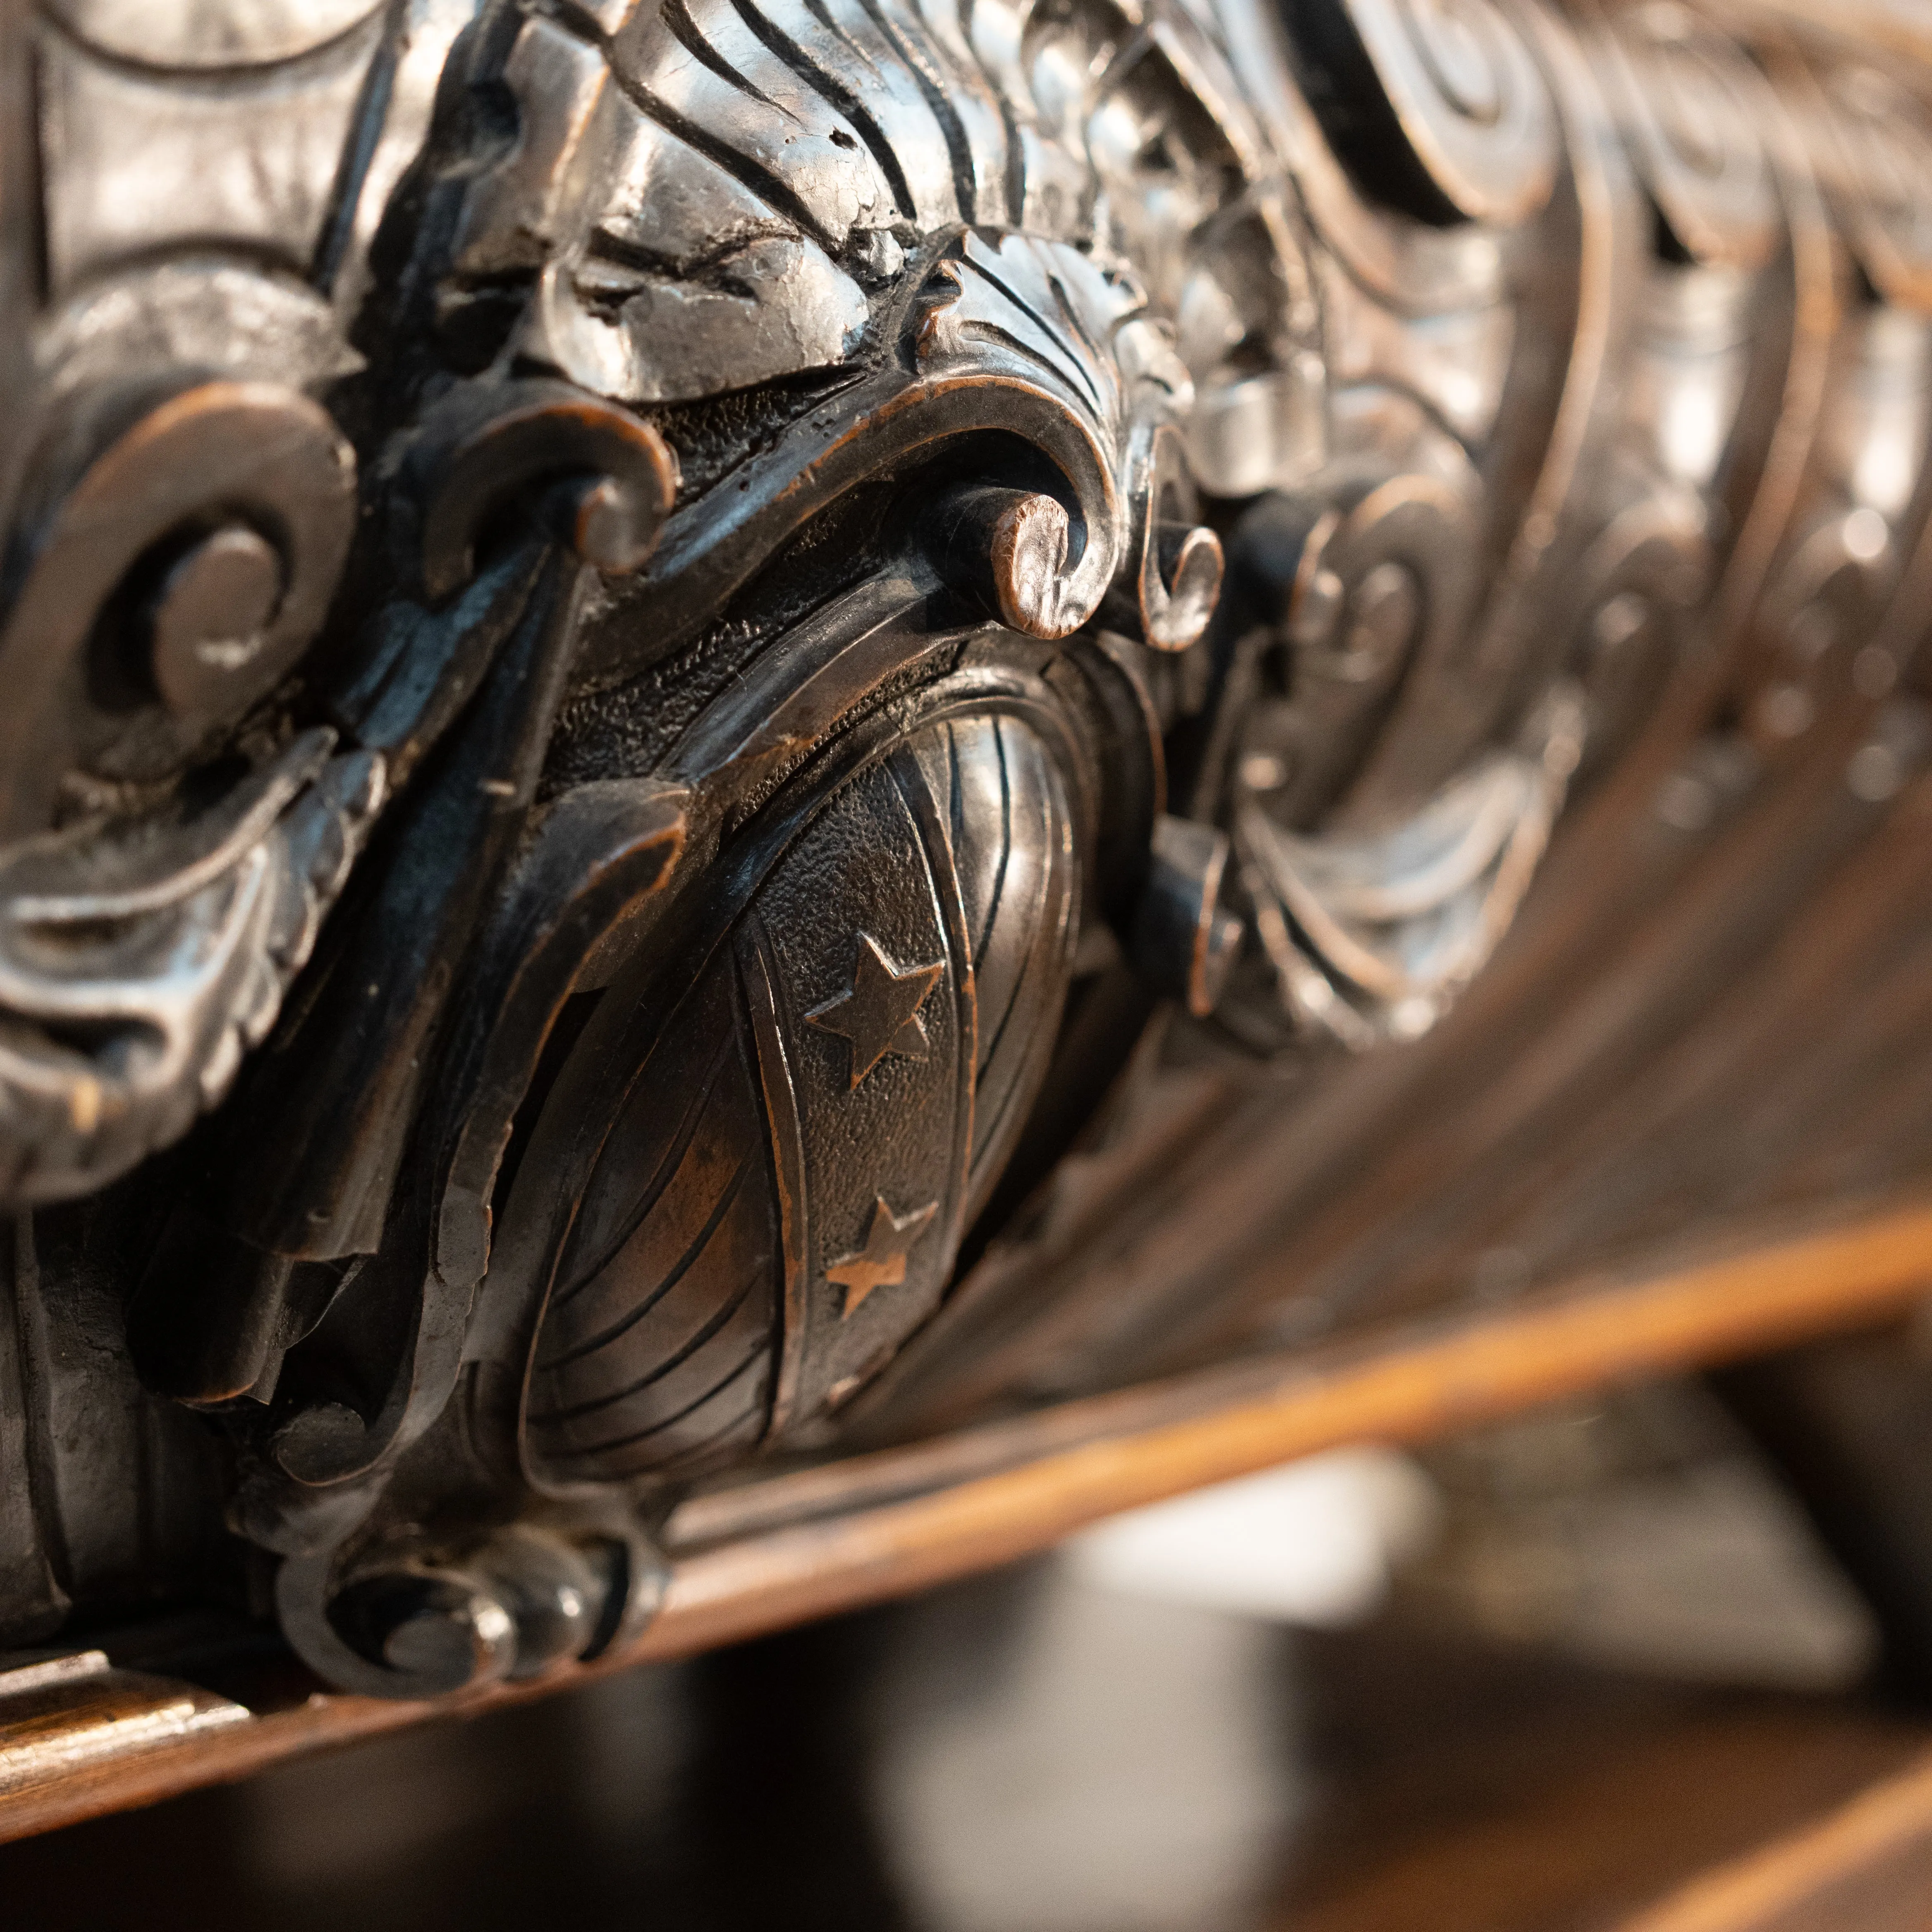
point(718, 713)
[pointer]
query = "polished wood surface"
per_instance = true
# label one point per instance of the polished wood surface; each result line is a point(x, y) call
point(1510, 1791)
point(1868, 1867)
point(1418, 1776)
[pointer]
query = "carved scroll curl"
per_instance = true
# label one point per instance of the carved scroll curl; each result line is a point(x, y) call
point(507, 1604)
point(1437, 105)
point(1043, 317)
point(178, 557)
point(176, 563)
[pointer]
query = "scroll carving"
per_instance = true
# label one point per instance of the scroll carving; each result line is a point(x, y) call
point(682, 667)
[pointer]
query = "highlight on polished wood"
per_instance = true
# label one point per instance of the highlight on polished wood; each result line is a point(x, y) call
point(1868, 1865)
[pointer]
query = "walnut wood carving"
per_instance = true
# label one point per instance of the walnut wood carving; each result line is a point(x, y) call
point(738, 729)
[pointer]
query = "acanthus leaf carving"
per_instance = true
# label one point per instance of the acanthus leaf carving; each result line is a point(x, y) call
point(1043, 314)
point(134, 974)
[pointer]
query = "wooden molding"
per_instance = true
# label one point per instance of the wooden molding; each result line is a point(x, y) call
point(1880, 1844)
point(801, 1544)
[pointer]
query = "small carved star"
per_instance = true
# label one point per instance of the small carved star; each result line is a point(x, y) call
point(878, 1014)
point(881, 1262)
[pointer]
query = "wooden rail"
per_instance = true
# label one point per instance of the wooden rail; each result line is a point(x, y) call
point(804, 1543)
point(1867, 1867)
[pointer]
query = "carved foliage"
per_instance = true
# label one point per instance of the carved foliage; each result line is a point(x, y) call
point(134, 976)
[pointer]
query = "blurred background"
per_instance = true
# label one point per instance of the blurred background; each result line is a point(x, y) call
point(1532, 1679)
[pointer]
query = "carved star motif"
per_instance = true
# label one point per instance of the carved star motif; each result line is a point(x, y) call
point(881, 1262)
point(878, 1014)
